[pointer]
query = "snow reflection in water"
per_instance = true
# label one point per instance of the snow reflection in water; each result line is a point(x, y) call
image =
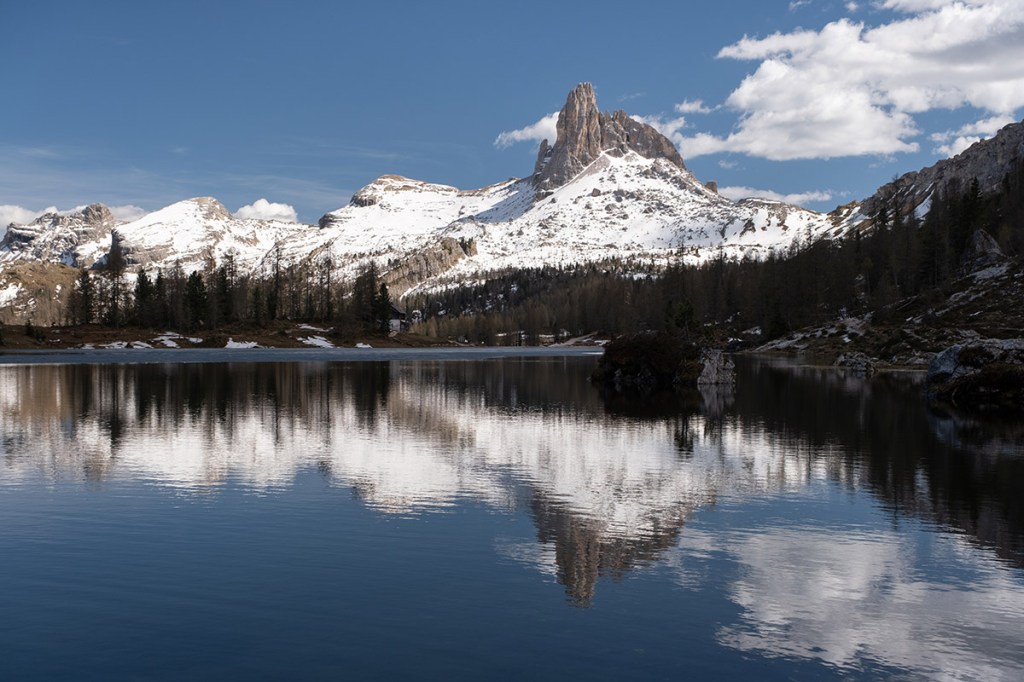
point(610, 487)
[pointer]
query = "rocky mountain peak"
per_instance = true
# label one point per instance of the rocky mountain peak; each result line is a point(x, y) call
point(97, 215)
point(584, 133)
point(59, 237)
point(211, 208)
point(92, 216)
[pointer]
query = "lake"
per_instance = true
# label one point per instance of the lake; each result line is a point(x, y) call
point(494, 516)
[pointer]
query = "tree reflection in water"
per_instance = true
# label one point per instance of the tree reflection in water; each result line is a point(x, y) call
point(612, 481)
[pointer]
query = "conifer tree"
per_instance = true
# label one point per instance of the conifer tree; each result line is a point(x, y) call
point(382, 309)
point(145, 300)
point(82, 301)
point(195, 300)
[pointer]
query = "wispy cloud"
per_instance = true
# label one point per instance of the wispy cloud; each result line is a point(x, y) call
point(631, 96)
point(798, 198)
point(850, 89)
point(40, 152)
point(312, 194)
point(131, 191)
point(317, 147)
point(695, 106)
point(128, 212)
point(39, 182)
point(544, 129)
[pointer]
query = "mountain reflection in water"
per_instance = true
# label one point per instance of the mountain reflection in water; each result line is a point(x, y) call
point(610, 484)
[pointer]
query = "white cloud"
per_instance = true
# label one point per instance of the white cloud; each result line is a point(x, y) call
point(544, 129)
point(695, 106)
point(797, 4)
point(261, 209)
point(849, 89)
point(852, 7)
point(797, 198)
point(22, 216)
point(128, 212)
point(956, 145)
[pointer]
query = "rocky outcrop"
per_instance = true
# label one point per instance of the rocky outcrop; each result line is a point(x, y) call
point(646, 363)
point(35, 292)
point(987, 162)
point(426, 263)
point(856, 362)
point(57, 238)
point(982, 252)
point(584, 133)
point(716, 369)
point(982, 375)
point(650, 362)
point(211, 209)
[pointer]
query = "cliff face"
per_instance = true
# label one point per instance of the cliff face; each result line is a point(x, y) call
point(987, 162)
point(584, 133)
point(35, 292)
point(427, 263)
point(70, 239)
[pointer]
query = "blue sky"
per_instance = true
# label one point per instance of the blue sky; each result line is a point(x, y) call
point(139, 104)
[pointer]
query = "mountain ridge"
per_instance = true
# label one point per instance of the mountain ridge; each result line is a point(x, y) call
point(609, 188)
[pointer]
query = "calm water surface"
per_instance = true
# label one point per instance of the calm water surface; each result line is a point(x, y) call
point(490, 519)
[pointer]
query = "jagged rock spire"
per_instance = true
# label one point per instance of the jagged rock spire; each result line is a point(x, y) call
point(584, 133)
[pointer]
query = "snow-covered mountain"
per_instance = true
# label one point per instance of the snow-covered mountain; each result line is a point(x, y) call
point(199, 231)
point(619, 206)
point(37, 261)
point(191, 232)
point(79, 238)
point(610, 187)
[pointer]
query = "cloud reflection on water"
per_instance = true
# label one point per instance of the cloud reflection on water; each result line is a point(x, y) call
point(609, 493)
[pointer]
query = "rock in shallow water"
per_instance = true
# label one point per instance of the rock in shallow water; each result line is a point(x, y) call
point(717, 369)
point(857, 362)
point(980, 375)
point(650, 362)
